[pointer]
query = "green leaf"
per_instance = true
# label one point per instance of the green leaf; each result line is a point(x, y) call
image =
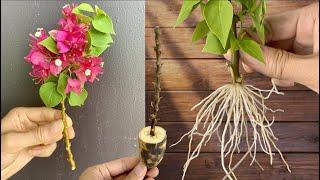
point(99, 39)
point(49, 94)
point(99, 11)
point(213, 45)
point(62, 84)
point(77, 99)
point(50, 44)
point(82, 18)
point(258, 18)
point(201, 31)
point(103, 23)
point(252, 48)
point(187, 7)
point(85, 7)
point(96, 51)
point(219, 15)
point(246, 4)
point(51, 78)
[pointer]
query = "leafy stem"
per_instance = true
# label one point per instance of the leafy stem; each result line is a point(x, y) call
point(156, 84)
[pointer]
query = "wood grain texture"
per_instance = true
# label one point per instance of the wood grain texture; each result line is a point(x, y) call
point(175, 105)
point(176, 43)
point(164, 13)
point(304, 166)
point(201, 75)
point(293, 137)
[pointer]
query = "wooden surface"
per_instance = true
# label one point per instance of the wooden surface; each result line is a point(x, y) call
point(188, 75)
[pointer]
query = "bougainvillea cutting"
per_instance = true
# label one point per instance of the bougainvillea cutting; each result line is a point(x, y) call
point(66, 58)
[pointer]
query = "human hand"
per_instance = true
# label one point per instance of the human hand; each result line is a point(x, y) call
point(128, 168)
point(292, 54)
point(27, 133)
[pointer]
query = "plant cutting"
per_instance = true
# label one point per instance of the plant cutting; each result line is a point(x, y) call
point(153, 139)
point(65, 59)
point(231, 110)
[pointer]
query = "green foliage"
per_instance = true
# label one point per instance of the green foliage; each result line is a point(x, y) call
point(96, 51)
point(99, 35)
point(213, 45)
point(103, 23)
point(99, 11)
point(99, 39)
point(252, 48)
point(187, 7)
point(84, 7)
point(49, 94)
point(219, 15)
point(79, 12)
point(216, 27)
point(78, 99)
point(257, 16)
point(62, 84)
point(201, 31)
point(51, 78)
point(50, 44)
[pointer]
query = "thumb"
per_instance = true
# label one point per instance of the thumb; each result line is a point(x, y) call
point(138, 173)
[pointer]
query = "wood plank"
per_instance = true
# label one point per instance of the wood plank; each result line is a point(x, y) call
point(199, 75)
point(164, 13)
point(175, 43)
point(207, 166)
point(175, 106)
point(293, 137)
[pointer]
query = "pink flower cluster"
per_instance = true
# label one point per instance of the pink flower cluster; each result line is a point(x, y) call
point(71, 41)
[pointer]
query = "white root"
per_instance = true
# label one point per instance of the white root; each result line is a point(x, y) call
point(230, 108)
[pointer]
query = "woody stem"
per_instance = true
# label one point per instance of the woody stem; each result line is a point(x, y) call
point(156, 84)
point(66, 137)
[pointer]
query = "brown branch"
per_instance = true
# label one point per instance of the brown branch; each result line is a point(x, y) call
point(66, 137)
point(156, 84)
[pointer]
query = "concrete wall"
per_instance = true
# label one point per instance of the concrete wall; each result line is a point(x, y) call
point(107, 125)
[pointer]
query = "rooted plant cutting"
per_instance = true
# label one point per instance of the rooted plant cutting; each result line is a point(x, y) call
point(153, 139)
point(231, 110)
point(67, 57)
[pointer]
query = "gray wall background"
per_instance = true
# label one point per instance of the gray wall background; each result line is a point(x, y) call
point(107, 125)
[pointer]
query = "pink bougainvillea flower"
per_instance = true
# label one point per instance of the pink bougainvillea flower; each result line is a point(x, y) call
point(89, 69)
point(74, 85)
point(40, 72)
point(36, 57)
point(57, 65)
point(39, 56)
point(71, 36)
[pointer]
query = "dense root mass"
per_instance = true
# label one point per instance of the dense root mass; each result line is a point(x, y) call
point(241, 106)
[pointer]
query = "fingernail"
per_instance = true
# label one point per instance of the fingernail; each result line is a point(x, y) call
point(140, 170)
point(56, 127)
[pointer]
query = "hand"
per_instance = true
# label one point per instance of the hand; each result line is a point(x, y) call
point(295, 31)
point(27, 133)
point(128, 168)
